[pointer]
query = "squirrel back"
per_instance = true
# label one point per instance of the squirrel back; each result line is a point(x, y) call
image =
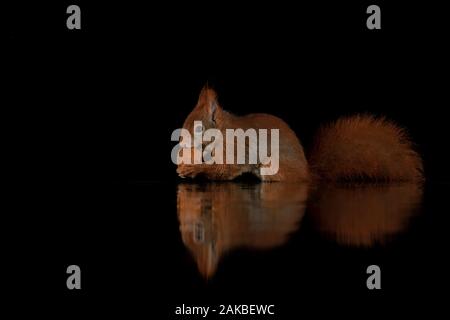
point(355, 148)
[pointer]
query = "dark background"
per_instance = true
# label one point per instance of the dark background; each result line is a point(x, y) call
point(92, 112)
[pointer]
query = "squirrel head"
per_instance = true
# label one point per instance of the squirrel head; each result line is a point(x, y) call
point(207, 111)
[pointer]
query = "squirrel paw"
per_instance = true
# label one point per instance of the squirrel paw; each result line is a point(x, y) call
point(187, 170)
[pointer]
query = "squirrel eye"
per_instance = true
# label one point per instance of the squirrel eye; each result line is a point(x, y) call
point(199, 129)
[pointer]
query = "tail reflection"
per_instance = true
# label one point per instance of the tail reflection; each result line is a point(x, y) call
point(217, 217)
point(364, 215)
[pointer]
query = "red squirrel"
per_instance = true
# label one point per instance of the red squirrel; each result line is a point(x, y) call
point(354, 148)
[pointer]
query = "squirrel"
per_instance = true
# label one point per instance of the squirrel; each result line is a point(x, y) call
point(355, 148)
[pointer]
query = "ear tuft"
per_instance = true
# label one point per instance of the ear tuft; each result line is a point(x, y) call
point(208, 98)
point(207, 93)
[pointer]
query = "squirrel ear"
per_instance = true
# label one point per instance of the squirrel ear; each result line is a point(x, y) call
point(208, 99)
point(212, 108)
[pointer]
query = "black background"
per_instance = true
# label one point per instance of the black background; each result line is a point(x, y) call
point(92, 112)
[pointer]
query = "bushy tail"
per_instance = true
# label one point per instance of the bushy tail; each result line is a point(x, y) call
point(365, 148)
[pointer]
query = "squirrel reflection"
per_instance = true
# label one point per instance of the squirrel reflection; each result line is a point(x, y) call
point(364, 215)
point(216, 218)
